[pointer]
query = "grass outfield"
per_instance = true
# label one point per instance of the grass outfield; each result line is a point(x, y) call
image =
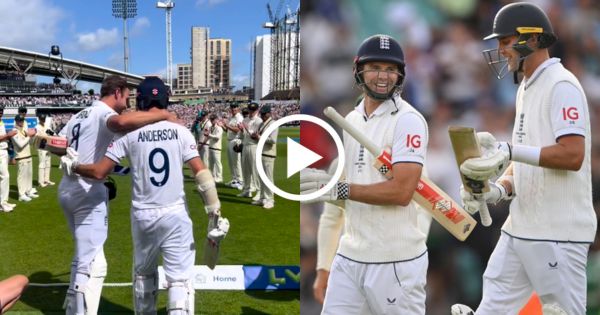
point(35, 241)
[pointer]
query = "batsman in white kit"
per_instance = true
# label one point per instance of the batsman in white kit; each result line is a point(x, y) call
point(545, 240)
point(159, 215)
point(85, 200)
point(381, 263)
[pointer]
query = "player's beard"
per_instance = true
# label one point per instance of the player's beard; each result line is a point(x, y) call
point(381, 85)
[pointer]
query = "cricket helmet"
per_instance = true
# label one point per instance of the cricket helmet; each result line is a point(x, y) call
point(379, 48)
point(152, 92)
point(520, 19)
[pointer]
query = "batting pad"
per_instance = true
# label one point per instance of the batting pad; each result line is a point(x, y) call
point(205, 184)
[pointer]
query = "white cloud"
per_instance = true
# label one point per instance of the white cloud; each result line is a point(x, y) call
point(208, 3)
point(240, 80)
point(140, 25)
point(98, 39)
point(115, 61)
point(29, 25)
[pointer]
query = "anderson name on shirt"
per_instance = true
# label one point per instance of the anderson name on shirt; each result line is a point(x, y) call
point(157, 135)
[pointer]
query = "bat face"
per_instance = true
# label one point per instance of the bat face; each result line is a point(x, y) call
point(466, 145)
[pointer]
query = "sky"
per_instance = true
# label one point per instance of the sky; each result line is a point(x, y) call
point(87, 31)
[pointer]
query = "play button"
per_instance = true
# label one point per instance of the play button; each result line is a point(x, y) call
point(299, 157)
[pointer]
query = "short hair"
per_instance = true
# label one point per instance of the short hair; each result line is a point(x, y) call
point(111, 84)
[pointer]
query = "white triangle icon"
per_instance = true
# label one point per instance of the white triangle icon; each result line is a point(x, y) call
point(299, 157)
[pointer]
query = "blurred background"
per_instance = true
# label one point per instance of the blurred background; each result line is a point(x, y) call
point(448, 81)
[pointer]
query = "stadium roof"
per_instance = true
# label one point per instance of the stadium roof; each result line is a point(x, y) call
point(30, 62)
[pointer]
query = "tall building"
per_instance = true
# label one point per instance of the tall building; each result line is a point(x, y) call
point(262, 66)
point(184, 76)
point(200, 37)
point(219, 64)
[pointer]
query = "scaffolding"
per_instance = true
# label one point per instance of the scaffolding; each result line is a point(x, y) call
point(285, 50)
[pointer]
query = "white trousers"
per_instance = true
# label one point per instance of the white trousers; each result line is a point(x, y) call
point(235, 162)
point(251, 180)
point(87, 217)
point(166, 231)
point(4, 177)
point(24, 176)
point(44, 166)
point(203, 151)
point(555, 271)
point(268, 164)
point(394, 288)
point(215, 166)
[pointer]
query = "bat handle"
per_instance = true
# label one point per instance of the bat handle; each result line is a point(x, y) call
point(484, 214)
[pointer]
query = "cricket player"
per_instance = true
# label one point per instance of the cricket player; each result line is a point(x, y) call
point(234, 158)
point(22, 111)
point(381, 262)
point(4, 175)
point(269, 153)
point(159, 214)
point(195, 129)
point(24, 161)
point(44, 157)
point(214, 149)
point(545, 240)
point(204, 128)
point(84, 200)
point(249, 141)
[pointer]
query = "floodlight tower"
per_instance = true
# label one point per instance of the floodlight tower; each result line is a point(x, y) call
point(168, 5)
point(124, 9)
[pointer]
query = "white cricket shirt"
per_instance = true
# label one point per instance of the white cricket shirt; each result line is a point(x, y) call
point(550, 204)
point(88, 133)
point(156, 155)
point(383, 234)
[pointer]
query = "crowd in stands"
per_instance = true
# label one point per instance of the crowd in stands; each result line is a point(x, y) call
point(448, 81)
point(33, 101)
point(188, 114)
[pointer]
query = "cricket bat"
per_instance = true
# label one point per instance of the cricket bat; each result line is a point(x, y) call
point(428, 195)
point(465, 146)
point(53, 144)
point(211, 247)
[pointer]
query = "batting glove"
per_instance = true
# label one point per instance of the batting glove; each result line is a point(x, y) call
point(493, 162)
point(69, 161)
point(219, 233)
point(461, 309)
point(473, 202)
point(311, 180)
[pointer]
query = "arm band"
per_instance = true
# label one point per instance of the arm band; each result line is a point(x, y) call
point(526, 154)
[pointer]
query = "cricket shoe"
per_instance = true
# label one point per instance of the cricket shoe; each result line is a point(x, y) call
point(6, 207)
point(24, 198)
point(258, 202)
point(218, 233)
point(50, 183)
point(268, 204)
point(32, 195)
point(461, 309)
point(256, 197)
